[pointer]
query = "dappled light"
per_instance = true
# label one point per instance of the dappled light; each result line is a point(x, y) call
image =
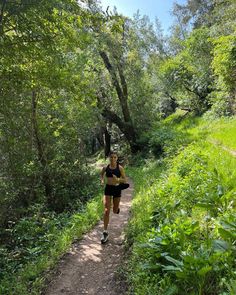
point(90, 267)
point(90, 95)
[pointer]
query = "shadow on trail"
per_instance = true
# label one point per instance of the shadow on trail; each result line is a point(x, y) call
point(89, 267)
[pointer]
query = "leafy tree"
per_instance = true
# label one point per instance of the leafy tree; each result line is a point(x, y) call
point(224, 66)
point(40, 83)
point(186, 78)
point(223, 18)
point(194, 14)
point(124, 47)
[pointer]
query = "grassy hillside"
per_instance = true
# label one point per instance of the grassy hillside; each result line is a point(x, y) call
point(183, 227)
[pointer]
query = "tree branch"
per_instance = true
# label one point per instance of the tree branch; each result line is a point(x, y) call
point(112, 73)
point(123, 81)
point(121, 92)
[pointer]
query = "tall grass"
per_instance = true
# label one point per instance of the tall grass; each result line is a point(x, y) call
point(183, 222)
point(224, 132)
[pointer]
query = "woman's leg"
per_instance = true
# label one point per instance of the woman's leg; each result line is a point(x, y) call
point(116, 204)
point(107, 207)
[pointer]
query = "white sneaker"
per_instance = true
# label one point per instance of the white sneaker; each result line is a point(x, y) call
point(104, 237)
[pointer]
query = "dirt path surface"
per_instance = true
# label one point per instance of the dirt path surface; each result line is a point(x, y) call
point(89, 267)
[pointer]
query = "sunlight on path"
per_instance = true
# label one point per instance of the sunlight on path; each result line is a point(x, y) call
point(89, 267)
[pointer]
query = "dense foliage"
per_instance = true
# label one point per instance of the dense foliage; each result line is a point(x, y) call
point(76, 80)
point(183, 224)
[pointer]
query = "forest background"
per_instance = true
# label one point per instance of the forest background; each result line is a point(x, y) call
point(76, 81)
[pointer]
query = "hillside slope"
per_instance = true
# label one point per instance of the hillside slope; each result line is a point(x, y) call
point(184, 220)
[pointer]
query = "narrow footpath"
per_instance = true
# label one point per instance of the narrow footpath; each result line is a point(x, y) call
point(91, 268)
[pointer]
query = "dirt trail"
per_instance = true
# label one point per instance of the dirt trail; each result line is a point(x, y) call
point(89, 267)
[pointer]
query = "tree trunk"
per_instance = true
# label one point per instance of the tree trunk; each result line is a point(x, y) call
point(100, 136)
point(122, 92)
point(125, 126)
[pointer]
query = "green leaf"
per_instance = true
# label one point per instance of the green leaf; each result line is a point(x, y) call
point(174, 261)
point(204, 205)
point(204, 270)
point(150, 266)
point(220, 245)
point(226, 234)
point(172, 290)
point(228, 225)
point(189, 259)
point(171, 268)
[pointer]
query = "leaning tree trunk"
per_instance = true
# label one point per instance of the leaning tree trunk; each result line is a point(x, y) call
point(126, 125)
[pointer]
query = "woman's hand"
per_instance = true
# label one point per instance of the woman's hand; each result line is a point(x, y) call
point(116, 179)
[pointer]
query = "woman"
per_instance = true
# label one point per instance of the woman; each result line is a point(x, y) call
point(115, 175)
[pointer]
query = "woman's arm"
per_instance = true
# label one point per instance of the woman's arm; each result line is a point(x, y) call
point(123, 178)
point(102, 175)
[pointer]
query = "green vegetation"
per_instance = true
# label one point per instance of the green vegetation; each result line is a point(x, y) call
point(39, 241)
point(77, 81)
point(183, 222)
point(223, 133)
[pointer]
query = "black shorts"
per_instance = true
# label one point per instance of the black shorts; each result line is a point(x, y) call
point(112, 190)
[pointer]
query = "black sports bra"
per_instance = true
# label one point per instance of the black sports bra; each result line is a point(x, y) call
point(110, 172)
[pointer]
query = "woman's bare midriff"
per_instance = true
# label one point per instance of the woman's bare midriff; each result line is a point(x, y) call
point(111, 181)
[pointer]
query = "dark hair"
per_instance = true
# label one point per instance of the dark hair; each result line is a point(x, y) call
point(113, 153)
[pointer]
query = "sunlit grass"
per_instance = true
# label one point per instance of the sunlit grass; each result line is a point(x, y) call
point(183, 203)
point(143, 200)
point(224, 133)
point(219, 131)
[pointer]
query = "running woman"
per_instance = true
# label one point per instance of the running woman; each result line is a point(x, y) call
point(115, 174)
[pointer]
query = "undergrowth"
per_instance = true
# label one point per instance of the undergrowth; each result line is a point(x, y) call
point(183, 227)
point(35, 243)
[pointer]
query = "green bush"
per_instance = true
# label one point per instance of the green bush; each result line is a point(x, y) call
point(183, 224)
point(171, 134)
